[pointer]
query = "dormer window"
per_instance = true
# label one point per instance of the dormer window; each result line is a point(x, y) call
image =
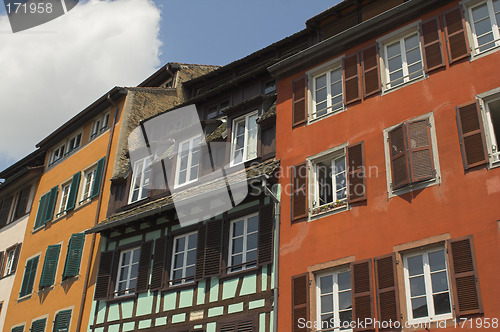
point(140, 181)
point(74, 143)
point(99, 126)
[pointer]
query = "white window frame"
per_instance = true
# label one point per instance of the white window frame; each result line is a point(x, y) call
point(389, 39)
point(76, 138)
point(145, 164)
point(99, 125)
point(129, 277)
point(245, 118)
point(471, 29)
point(189, 162)
point(60, 151)
point(184, 267)
point(428, 286)
point(335, 292)
point(311, 89)
point(435, 154)
point(492, 142)
point(88, 184)
point(10, 255)
point(245, 251)
point(64, 197)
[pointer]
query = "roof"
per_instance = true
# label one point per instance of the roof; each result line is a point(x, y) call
point(35, 158)
point(167, 202)
point(218, 133)
point(162, 74)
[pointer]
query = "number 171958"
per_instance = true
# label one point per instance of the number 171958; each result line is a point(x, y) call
point(477, 323)
point(32, 8)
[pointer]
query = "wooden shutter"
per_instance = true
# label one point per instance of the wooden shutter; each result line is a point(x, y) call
point(200, 252)
point(22, 203)
point(356, 177)
point(387, 289)
point(299, 191)
point(16, 258)
point(213, 248)
point(144, 265)
point(74, 255)
point(237, 326)
point(464, 276)
point(4, 211)
point(29, 276)
point(430, 38)
point(361, 284)
point(18, 329)
point(266, 227)
point(471, 135)
point(40, 213)
point(96, 187)
point(399, 159)
point(104, 275)
point(456, 38)
point(351, 79)
point(73, 191)
point(420, 150)
point(300, 301)
point(50, 205)
point(50, 266)
point(61, 322)
point(299, 106)
point(371, 72)
point(2, 265)
point(158, 263)
point(38, 325)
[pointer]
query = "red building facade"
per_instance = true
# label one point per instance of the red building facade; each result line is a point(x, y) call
point(386, 132)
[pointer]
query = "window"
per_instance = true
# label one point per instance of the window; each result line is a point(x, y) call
point(58, 154)
point(61, 321)
point(426, 285)
point(5, 207)
point(18, 329)
point(327, 92)
point(14, 207)
point(99, 126)
point(92, 181)
point(216, 110)
point(188, 161)
point(74, 143)
point(89, 178)
point(270, 86)
point(38, 325)
point(22, 202)
point(140, 181)
point(184, 258)
point(244, 140)
point(492, 112)
point(484, 19)
point(73, 256)
point(329, 181)
point(334, 301)
point(11, 256)
point(402, 60)
point(65, 148)
point(50, 266)
point(128, 269)
point(412, 155)
point(243, 243)
point(64, 198)
point(29, 276)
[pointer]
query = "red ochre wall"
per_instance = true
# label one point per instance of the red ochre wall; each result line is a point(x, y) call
point(464, 203)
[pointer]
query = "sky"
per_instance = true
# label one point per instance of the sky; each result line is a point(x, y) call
point(52, 72)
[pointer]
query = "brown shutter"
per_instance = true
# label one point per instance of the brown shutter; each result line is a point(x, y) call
point(456, 38)
point(200, 252)
point(266, 223)
point(299, 92)
point(213, 248)
point(420, 150)
point(399, 159)
point(158, 263)
point(464, 276)
point(371, 72)
point(471, 135)
point(104, 275)
point(361, 284)
point(300, 301)
point(387, 289)
point(351, 79)
point(16, 258)
point(356, 176)
point(299, 191)
point(144, 265)
point(430, 37)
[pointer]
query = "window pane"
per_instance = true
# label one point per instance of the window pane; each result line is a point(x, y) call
point(123, 273)
point(180, 244)
point(238, 227)
point(396, 77)
point(179, 260)
point(177, 274)
point(480, 12)
point(413, 56)
point(419, 307)
point(191, 257)
point(417, 286)
point(324, 174)
point(136, 257)
point(252, 241)
point(336, 75)
point(326, 303)
point(193, 241)
point(395, 64)
point(482, 26)
point(134, 270)
point(326, 284)
point(439, 282)
point(415, 70)
point(393, 49)
point(182, 177)
point(190, 271)
point(125, 257)
point(238, 259)
point(442, 303)
point(437, 260)
point(344, 280)
point(321, 95)
point(251, 256)
point(345, 316)
point(345, 300)
point(253, 224)
point(411, 42)
point(238, 245)
point(321, 82)
point(415, 265)
point(326, 320)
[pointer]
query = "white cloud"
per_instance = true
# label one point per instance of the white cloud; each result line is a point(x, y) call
point(51, 72)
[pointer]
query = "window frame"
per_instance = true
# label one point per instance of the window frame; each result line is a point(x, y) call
point(470, 27)
point(388, 166)
point(144, 169)
point(36, 256)
point(484, 100)
point(245, 264)
point(189, 162)
point(85, 196)
point(128, 290)
point(98, 127)
point(184, 264)
point(326, 68)
point(64, 198)
point(244, 118)
point(64, 150)
point(8, 258)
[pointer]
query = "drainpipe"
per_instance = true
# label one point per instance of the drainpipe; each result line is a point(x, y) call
point(96, 220)
point(277, 215)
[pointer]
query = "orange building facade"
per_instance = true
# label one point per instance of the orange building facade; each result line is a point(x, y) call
point(386, 132)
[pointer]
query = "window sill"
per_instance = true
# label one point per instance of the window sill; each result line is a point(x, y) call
point(121, 298)
point(45, 289)
point(413, 187)
point(484, 53)
point(187, 285)
point(335, 210)
point(311, 121)
point(36, 230)
point(24, 297)
point(396, 88)
point(237, 274)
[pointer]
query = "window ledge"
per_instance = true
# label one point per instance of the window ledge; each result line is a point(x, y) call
point(311, 121)
point(25, 297)
point(485, 53)
point(415, 80)
point(186, 285)
point(237, 274)
point(121, 298)
point(330, 211)
point(416, 186)
point(36, 230)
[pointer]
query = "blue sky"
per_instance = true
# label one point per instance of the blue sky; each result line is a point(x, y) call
point(73, 60)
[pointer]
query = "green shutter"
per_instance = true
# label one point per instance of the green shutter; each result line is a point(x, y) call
point(74, 255)
point(73, 191)
point(50, 205)
point(38, 325)
point(50, 266)
point(18, 329)
point(98, 177)
point(41, 209)
point(61, 323)
point(29, 276)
